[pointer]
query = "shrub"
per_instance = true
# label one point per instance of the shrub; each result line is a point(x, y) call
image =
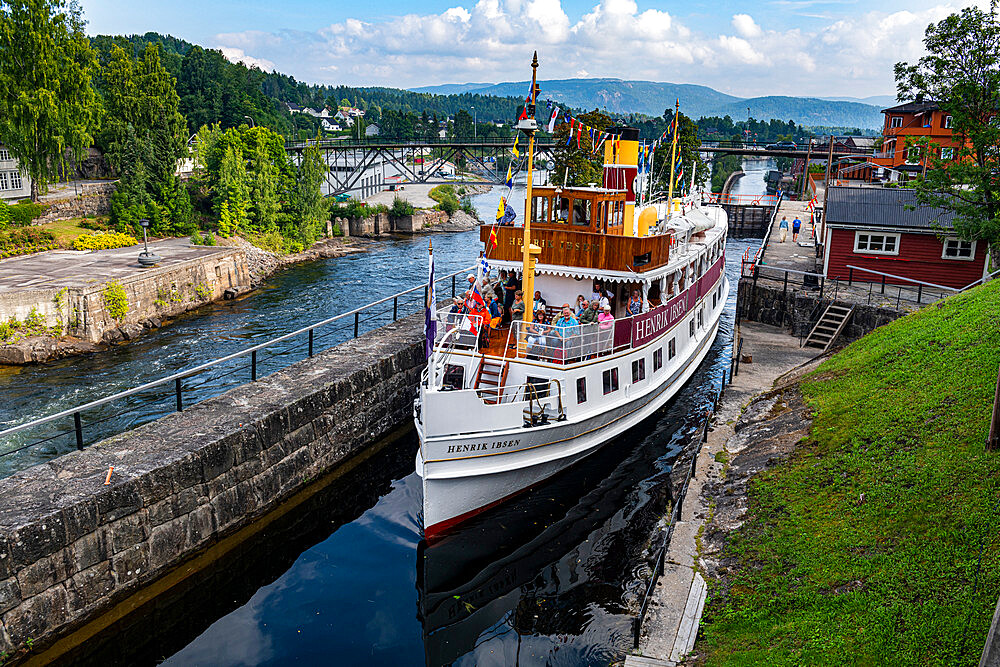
point(25, 241)
point(23, 213)
point(446, 198)
point(469, 208)
point(196, 239)
point(95, 224)
point(116, 300)
point(103, 241)
point(4, 215)
point(401, 208)
point(449, 206)
point(208, 238)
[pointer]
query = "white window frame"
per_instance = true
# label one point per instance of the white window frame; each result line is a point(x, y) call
point(895, 121)
point(958, 242)
point(948, 152)
point(913, 155)
point(3, 181)
point(15, 180)
point(4, 155)
point(948, 122)
point(866, 251)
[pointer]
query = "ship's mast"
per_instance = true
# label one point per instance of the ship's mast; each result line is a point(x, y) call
point(528, 126)
point(673, 161)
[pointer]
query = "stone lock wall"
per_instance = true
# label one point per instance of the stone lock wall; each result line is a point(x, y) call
point(801, 310)
point(160, 292)
point(72, 547)
point(95, 199)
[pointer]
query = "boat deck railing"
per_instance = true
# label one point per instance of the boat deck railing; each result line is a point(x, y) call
point(559, 344)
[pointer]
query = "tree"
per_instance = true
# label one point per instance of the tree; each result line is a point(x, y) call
point(145, 135)
point(962, 74)
point(463, 124)
point(308, 208)
point(580, 165)
point(47, 103)
point(233, 192)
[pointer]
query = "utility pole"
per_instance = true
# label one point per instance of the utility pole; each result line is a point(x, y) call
point(805, 171)
point(993, 440)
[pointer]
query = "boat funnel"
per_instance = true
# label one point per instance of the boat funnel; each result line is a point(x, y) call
point(621, 166)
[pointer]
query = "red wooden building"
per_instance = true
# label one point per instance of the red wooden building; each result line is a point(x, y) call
point(872, 228)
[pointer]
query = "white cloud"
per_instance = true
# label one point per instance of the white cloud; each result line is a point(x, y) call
point(238, 56)
point(745, 26)
point(492, 40)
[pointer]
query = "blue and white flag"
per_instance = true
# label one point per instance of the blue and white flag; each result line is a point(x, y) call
point(430, 321)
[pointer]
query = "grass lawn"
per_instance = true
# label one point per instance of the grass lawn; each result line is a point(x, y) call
point(862, 548)
point(66, 230)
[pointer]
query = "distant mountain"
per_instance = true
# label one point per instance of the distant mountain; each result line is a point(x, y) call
point(652, 98)
point(881, 101)
point(452, 88)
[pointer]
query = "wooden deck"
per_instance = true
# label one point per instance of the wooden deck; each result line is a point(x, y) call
point(498, 344)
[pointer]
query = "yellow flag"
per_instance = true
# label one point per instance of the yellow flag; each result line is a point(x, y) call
point(514, 149)
point(500, 209)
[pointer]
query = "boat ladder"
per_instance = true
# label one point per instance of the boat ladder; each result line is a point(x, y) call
point(829, 326)
point(490, 379)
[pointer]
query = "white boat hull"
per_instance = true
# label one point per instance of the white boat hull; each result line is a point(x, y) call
point(458, 488)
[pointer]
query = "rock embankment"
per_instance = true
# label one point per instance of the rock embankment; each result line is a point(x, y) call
point(262, 263)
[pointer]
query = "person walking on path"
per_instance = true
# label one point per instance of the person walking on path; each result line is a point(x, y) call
point(783, 228)
point(796, 225)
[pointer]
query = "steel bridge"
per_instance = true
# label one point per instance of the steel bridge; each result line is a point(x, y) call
point(348, 160)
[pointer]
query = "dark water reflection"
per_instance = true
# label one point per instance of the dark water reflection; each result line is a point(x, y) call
point(551, 578)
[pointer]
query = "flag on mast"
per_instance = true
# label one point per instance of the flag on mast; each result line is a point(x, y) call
point(430, 322)
point(552, 121)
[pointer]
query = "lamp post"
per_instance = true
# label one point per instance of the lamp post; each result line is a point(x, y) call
point(252, 124)
point(473, 123)
point(147, 258)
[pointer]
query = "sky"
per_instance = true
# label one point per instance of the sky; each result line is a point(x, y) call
point(821, 48)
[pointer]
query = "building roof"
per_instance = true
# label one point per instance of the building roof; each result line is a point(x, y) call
point(863, 142)
point(912, 107)
point(882, 207)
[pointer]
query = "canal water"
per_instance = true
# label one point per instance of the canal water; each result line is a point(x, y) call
point(553, 577)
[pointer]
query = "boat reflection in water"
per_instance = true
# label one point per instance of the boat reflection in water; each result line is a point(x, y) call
point(549, 578)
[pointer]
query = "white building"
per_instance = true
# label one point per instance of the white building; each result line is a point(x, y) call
point(13, 183)
point(317, 113)
point(330, 127)
point(372, 130)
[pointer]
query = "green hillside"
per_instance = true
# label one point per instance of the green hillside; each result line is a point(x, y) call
point(862, 548)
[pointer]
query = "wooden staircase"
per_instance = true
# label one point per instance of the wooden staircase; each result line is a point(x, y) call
point(829, 326)
point(490, 378)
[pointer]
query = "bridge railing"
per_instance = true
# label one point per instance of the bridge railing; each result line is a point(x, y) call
point(305, 342)
point(744, 200)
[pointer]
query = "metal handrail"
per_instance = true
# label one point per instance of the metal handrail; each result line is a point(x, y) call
point(912, 280)
point(210, 364)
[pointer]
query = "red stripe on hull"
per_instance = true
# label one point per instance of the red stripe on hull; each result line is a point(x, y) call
point(437, 531)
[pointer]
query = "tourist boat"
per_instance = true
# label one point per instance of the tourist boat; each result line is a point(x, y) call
point(494, 420)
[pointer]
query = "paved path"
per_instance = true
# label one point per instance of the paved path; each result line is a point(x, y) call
point(675, 610)
point(800, 256)
point(79, 268)
point(417, 194)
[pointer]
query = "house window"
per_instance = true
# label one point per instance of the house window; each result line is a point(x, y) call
point(672, 349)
point(657, 359)
point(913, 154)
point(4, 154)
point(958, 249)
point(15, 180)
point(876, 244)
point(581, 390)
point(3, 180)
point(691, 328)
point(895, 121)
point(948, 121)
point(611, 380)
point(948, 153)
point(638, 370)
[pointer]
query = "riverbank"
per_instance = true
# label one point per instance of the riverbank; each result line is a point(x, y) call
point(850, 512)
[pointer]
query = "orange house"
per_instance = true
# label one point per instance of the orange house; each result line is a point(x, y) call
point(904, 125)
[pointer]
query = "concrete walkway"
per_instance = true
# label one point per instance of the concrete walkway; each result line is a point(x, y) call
point(79, 268)
point(671, 624)
point(417, 194)
point(800, 256)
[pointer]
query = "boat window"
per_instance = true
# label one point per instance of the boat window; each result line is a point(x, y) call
point(638, 370)
point(672, 348)
point(715, 300)
point(540, 209)
point(611, 380)
point(581, 390)
point(599, 216)
point(657, 359)
point(701, 317)
point(581, 212)
point(691, 328)
point(541, 386)
point(563, 210)
point(454, 377)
